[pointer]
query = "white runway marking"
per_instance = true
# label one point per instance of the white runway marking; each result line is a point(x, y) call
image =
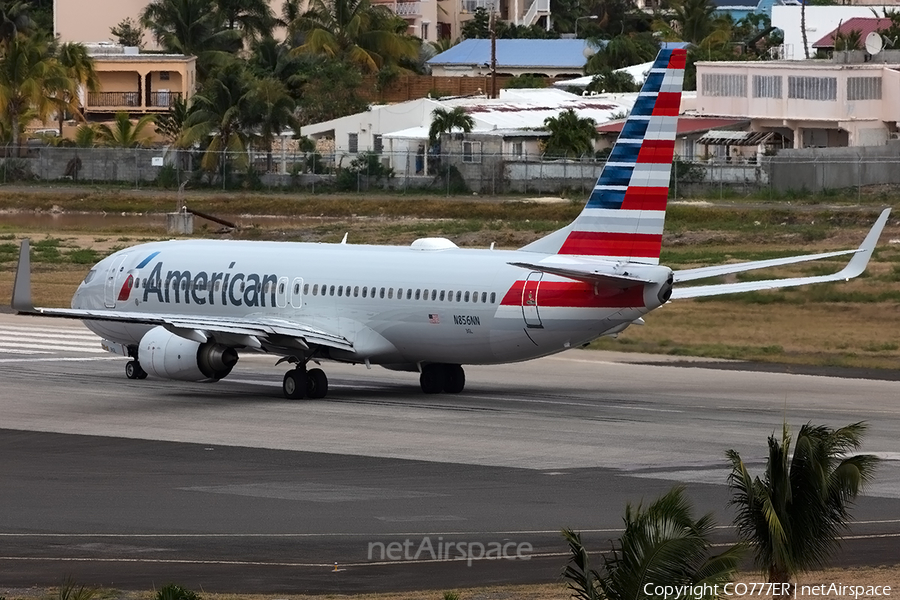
point(45, 340)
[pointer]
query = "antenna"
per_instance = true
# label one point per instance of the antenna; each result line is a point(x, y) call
point(874, 43)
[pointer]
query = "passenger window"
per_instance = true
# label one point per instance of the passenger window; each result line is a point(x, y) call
point(483, 297)
point(493, 297)
point(296, 289)
point(433, 295)
point(443, 293)
point(356, 291)
point(305, 289)
point(137, 283)
point(409, 293)
point(365, 291)
point(458, 295)
point(466, 297)
point(418, 294)
point(331, 291)
point(474, 297)
point(316, 290)
point(381, 295)
point(390, 293)
point(425, 295)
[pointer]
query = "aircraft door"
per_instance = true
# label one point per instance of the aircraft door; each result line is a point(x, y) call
point(530, 299)
point(111, 290)
point(297, 293)
point(281, 293)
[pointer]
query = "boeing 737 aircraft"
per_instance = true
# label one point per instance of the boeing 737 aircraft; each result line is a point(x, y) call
point(186, 310)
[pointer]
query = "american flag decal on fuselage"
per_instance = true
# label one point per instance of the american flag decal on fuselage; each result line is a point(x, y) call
point(624, 217)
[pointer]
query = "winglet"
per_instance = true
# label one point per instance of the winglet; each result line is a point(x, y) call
point(21, 296)
point(859, 261)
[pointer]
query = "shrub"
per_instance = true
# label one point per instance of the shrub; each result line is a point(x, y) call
point(174, 591)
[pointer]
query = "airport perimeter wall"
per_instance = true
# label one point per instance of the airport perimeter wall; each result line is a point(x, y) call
point(817, 169)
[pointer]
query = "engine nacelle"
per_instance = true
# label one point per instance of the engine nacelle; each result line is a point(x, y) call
point(168, 356)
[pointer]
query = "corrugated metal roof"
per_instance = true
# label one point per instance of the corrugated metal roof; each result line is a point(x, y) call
point(864, 25)
point(567, 54)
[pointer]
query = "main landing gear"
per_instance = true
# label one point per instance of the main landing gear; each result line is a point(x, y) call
point(133, 370)
point(299, 383)
point(439, 377)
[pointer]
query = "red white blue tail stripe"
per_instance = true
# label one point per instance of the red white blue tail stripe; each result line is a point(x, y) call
point(623, 219)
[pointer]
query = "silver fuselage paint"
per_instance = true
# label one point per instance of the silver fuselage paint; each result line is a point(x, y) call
point(389, 331)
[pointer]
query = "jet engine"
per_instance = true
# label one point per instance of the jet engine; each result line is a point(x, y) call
point(658, 293)
point(168, 356)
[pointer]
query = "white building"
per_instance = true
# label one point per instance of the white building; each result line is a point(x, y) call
point(820, 20)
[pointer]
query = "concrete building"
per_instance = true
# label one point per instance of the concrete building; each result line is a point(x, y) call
point(820, 20)
point(137, 83)
point(815, 103)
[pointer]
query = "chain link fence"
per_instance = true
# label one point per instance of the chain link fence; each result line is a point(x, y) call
point(452, 173)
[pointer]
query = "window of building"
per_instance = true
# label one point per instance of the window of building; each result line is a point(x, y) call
point(812, 88)
point(471, 152)
point(724, 84)
point(767, 86)
point(164, 76)
point(377, 143)
point(864, 88)
point(353, 143)
point(517, 149)
point(424, 28)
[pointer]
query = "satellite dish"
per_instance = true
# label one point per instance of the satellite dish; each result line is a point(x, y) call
point(874, 43)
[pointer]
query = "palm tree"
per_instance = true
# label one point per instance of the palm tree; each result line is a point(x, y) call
point(253, 18)
point(791, 516)
point(273, 112)
point(622, 51)
point(85, 135)
point(219, 114)
point(570, 135)
point(612, 82)
point(803, 28)
point(445, 121)
point(30, 80)
point(192, 27)
point(660, 544)
point(15, 19)
point(79, 68)
point(694, 18)
point(366, 35)
point(124, 133)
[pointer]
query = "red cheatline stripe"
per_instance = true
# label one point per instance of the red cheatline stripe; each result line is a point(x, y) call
point(645, 198)
point(667, 104)
point(126, 289)
point(575, 294)
point(678, 59)
point(656, 151)
point(604, 243)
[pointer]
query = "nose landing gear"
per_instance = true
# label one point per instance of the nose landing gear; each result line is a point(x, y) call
point(439, 377)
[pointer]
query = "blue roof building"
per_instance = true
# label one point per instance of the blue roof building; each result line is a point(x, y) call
point(514, 57)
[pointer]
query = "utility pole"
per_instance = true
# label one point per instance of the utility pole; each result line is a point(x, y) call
point(493, 57)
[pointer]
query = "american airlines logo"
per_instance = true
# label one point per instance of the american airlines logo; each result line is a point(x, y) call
point(230, 289)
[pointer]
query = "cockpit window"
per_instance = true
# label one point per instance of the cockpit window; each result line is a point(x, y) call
point(89, 276)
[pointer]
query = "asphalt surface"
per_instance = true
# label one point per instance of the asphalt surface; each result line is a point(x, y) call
point(229, 487)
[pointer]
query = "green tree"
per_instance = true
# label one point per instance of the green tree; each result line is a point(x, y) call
point(125, 133)
point(329, 89)
point(848, 40)
point(254, 19)
point(478, 27)
point(219, 116)
point(192, 27)
point(15, 19)
point(86, 135)
point(570, 135)
point(31, 79)
point(445, 121)
point(171, 124)
point(366, 35)
point(621, 51)
point(694, 18)
point(791, 517)
point(128, 32)
point(613, 82)
point(272, 110)
point(78, 67)
point(662, 543)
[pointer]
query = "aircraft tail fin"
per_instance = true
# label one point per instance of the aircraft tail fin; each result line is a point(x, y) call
point(624, 216)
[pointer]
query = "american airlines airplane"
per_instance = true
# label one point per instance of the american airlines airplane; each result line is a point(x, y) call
point(187, 309)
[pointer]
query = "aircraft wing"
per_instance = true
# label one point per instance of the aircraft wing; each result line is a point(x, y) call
point(856, 266)
point(251, 331)
point(588, 271)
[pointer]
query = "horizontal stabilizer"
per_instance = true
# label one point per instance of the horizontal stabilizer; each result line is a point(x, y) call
point(853, 269)
point(588, 272)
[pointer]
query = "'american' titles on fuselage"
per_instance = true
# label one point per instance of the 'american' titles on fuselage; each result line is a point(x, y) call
point(230, 289)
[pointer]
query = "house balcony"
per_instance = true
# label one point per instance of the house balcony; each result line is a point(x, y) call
point(114, 99)
point(407, 9)
point(164, 99)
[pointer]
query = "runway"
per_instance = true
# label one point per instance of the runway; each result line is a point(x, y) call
point(229, 487)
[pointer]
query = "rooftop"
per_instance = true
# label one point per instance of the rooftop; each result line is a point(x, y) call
point(687, 124)
point(864, 25)
point(516, 53)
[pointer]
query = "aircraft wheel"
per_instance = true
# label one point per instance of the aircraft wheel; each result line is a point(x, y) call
point(316, 383)
point(133, 370)
point(432, 378)
point(294, 384)
point(454, 379)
